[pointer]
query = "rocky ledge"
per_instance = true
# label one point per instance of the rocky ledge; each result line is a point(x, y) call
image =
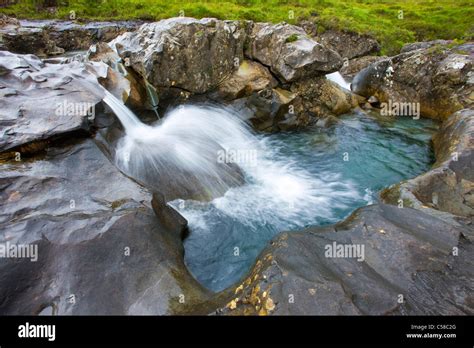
point(53, 37)
point(111, 245)
point(438, 76)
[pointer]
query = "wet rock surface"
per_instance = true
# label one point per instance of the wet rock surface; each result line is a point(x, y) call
point(439, 78)
point(406, 252)
point(101, 249)
point(40, 100)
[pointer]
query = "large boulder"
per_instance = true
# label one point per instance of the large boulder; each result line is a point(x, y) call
point(41, 100)
point(88, 222)
point(184, 53)
point(289, 53)
point(449, 186)
point(381, 260)
point(53, 37)
point(439, 78)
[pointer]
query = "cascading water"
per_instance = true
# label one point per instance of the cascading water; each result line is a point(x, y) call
point(259, 185)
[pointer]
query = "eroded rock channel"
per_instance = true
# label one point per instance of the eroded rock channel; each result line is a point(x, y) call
point(128, 208)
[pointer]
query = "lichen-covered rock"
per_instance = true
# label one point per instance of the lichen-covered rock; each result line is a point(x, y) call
point(41, 100)
point(289, 53)
point(184, 53)
point(349, 45)
point(439, 78)
point(397, 261)
point(423, 44)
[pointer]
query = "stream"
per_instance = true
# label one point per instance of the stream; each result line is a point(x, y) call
point(312, 177)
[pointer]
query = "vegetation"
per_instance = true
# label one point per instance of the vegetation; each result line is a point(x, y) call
point(392, 22)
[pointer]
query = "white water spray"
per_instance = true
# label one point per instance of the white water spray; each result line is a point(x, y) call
point(179, 156)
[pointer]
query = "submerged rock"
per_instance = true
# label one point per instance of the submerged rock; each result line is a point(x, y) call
point(89, 223)
point(380, 260)
point(439, 78)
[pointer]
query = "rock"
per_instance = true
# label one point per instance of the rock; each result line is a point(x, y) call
point(407, 254)
point(423, 45)
point(327, 121)
point(250, 77)
point(289, 53)
point(41, 100)
point(449, 186)
point(271, 110)
point(52, 37)
point(183, 53)
point(353, 66)
point(439, 78)
point(323, 97)
point(120, 81)
point(89, 223)
point(348, 44)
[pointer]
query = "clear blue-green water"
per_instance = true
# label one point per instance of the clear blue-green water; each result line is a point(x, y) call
point(312, 177)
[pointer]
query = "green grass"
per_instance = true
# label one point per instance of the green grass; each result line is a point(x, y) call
point(422, 19)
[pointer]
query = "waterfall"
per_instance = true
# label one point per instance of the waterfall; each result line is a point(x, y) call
point(183, 155)
point(339, 79)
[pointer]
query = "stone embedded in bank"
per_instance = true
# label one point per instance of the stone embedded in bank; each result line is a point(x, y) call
point(290, 53)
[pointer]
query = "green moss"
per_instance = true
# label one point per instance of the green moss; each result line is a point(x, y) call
point(292, 38)
point(421, 19)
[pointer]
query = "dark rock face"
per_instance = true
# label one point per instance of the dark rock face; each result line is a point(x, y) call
point(45, 38)
point(349, 45)
point(101, 249)
point(449, 186)
point(439, 78)
point(40, 100)
point(405, 252)
point(353, 66)
point(290, 53)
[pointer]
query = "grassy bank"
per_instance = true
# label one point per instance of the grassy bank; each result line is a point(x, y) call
point(392, 22)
